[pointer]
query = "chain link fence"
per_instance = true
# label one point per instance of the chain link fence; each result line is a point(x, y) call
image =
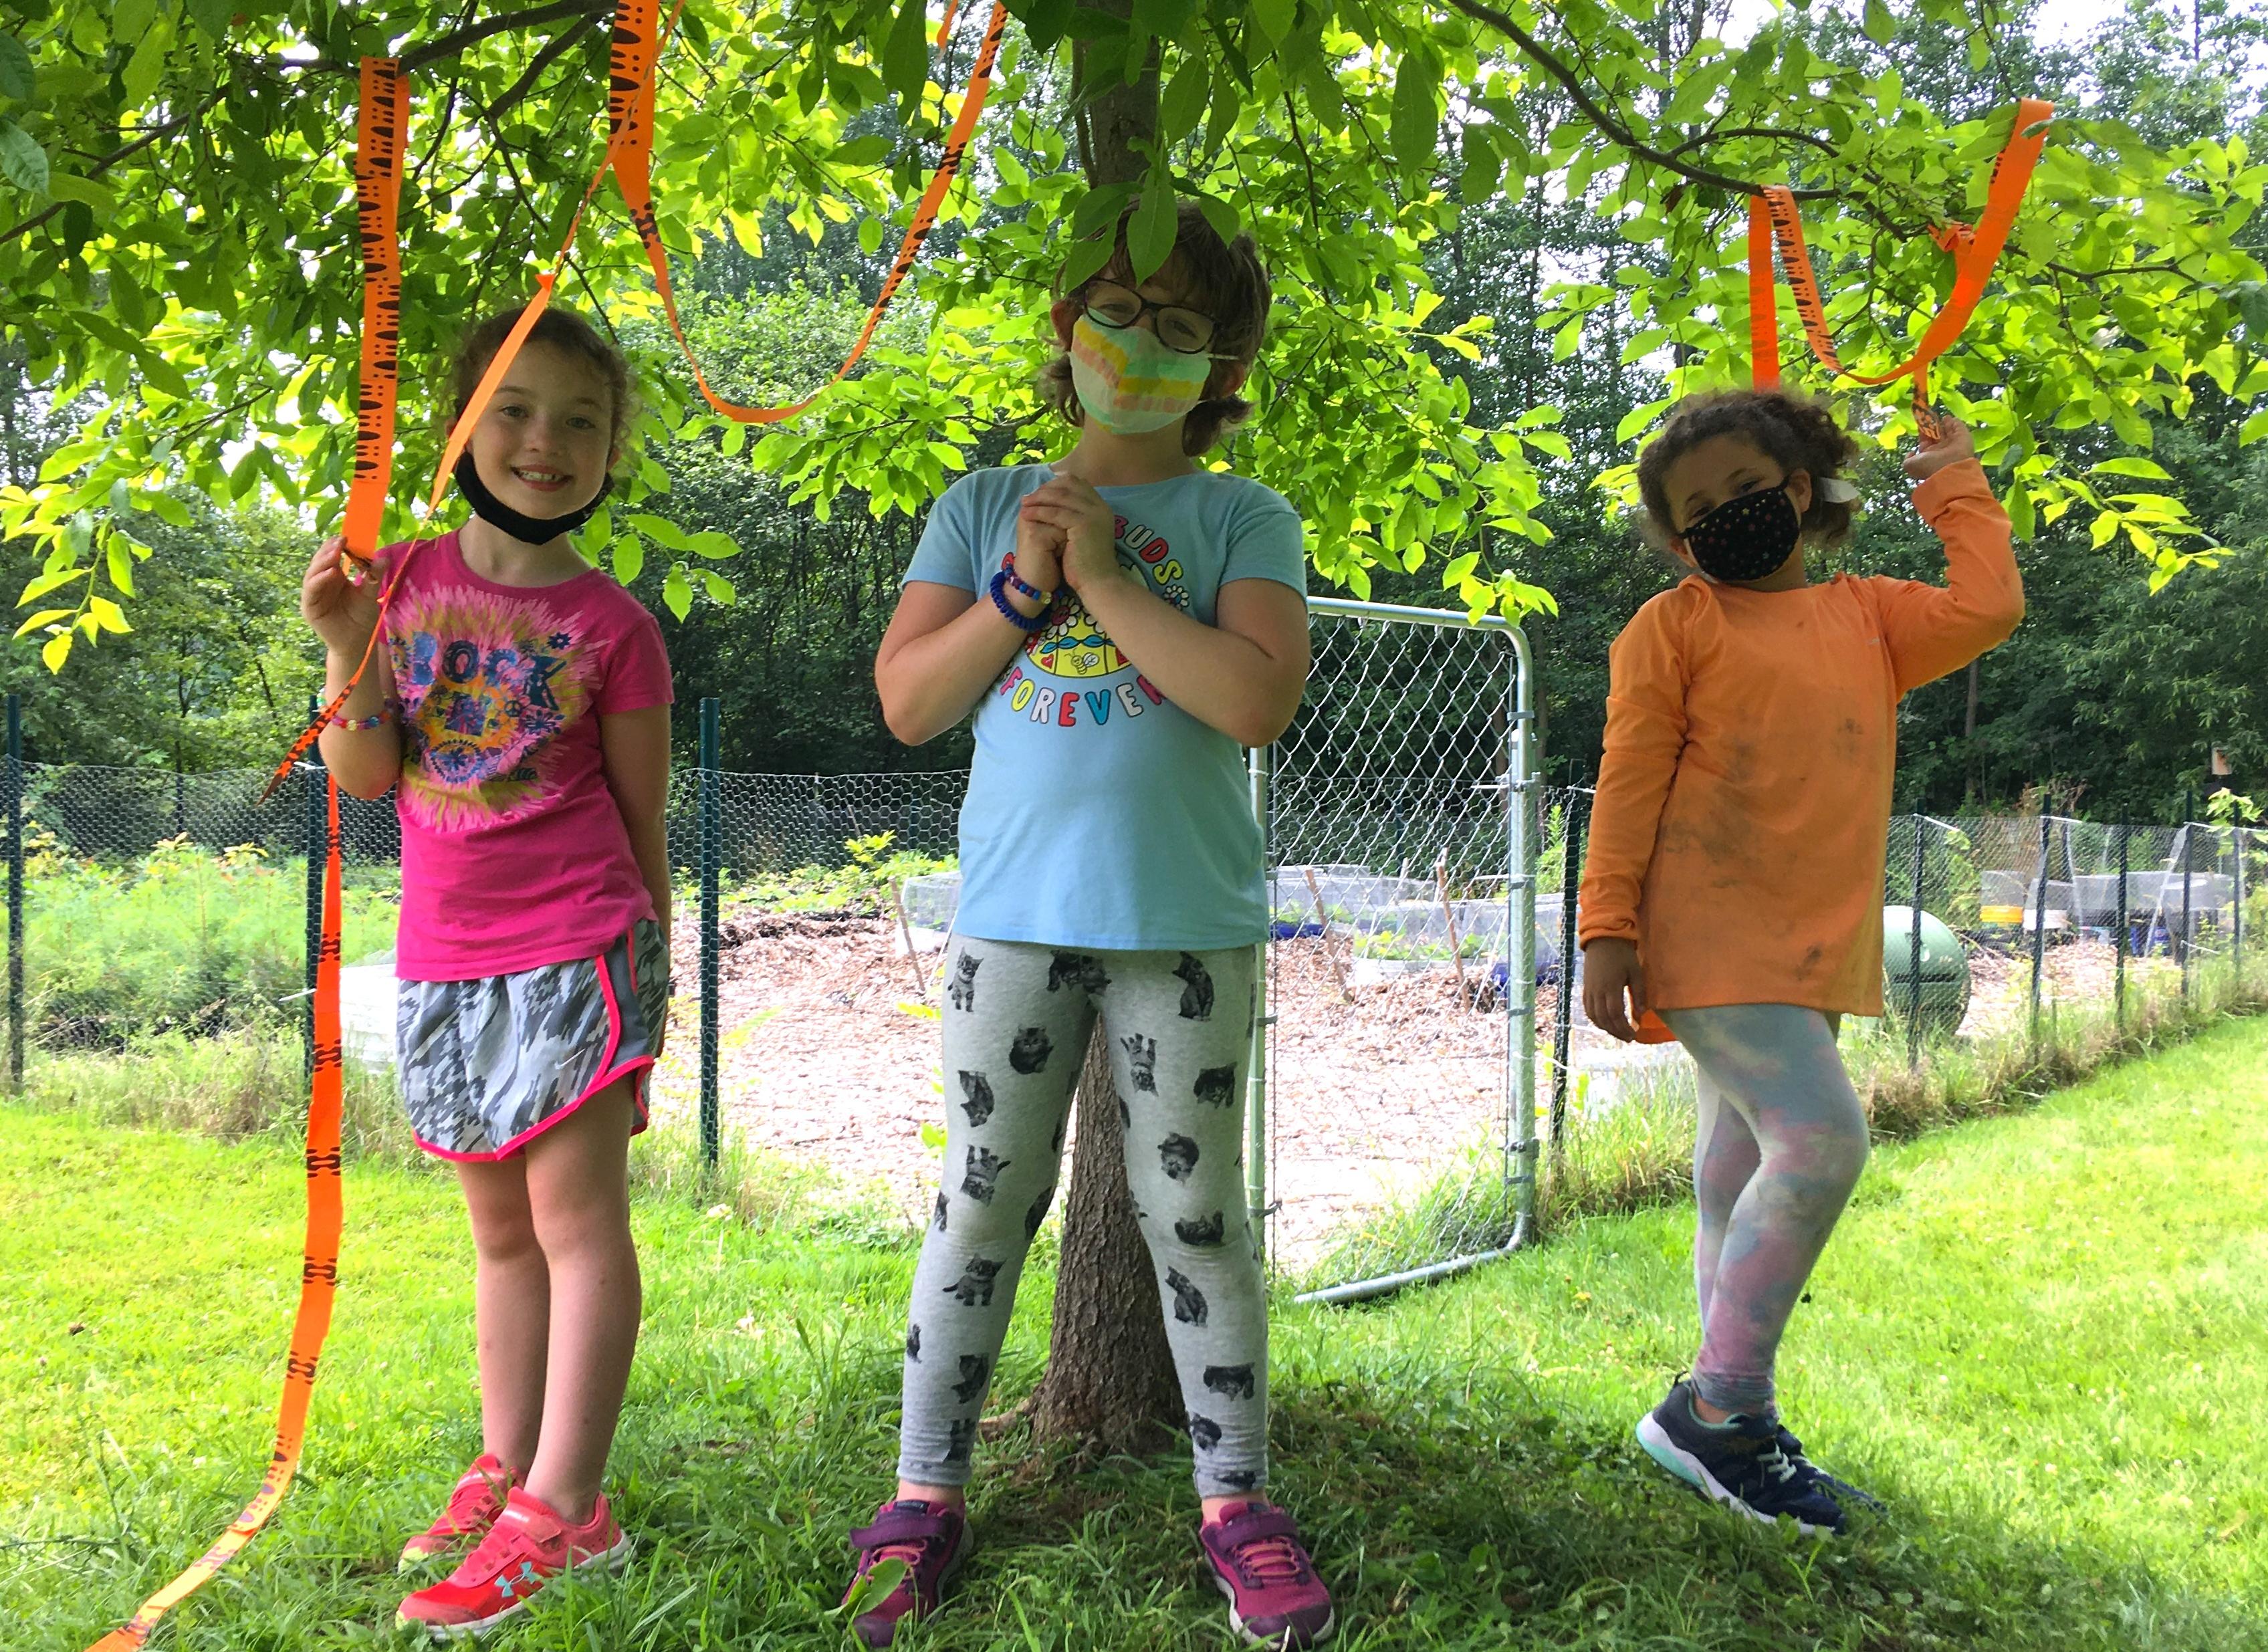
point(1418, 964)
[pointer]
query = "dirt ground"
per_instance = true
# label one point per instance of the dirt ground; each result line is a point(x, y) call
point(1375, 1089)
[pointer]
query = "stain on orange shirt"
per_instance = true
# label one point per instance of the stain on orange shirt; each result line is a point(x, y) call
point(1744, 797)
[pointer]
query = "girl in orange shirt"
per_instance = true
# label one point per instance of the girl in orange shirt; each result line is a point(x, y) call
point(1733, 894)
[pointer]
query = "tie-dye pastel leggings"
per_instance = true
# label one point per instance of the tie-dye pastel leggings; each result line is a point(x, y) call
point(1017, 1019)
point(1780, 1143)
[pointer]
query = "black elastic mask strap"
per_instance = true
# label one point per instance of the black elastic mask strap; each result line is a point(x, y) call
point(528, 530)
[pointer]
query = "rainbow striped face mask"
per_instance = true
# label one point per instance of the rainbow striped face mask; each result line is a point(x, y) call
point(1128, 382)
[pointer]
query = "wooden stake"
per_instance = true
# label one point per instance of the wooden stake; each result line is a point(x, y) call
point(1329, 952)
point(1456, 952)
point(913, 958)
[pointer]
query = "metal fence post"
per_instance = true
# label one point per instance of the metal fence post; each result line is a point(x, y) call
point(2189, 933)
point(2126, 936)
point(712, 848)
point(1520, 788)
point(315, 835)
point(1259, 768)
point(2040, 928)
point(1913, 958)
point(1562, 1015)
point(2236, 935)
point(14, 894)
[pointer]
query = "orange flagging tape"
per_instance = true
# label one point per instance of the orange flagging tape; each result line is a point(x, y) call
point(1773, 219)
point(318, 1278)
point(630, 108)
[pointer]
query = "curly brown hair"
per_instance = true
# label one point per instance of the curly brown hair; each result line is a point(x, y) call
point(1225, 279)
point(1794, 432)
point(563, 329)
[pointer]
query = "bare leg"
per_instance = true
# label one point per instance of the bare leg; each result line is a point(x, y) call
point(511, 1309)
point(578, 1187)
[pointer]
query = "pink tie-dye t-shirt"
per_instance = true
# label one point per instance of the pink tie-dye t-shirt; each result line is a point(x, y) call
point(513, 851)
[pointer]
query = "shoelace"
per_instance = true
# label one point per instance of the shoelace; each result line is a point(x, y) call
point(1777, 1462)
point(466, 1503)
point(1265, 1561)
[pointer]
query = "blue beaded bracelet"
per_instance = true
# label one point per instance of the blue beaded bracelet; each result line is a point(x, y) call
point(998, 588)
point(1023, 589)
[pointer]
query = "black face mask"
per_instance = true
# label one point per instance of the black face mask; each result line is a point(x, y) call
point(1746, 538)
point(528, 530)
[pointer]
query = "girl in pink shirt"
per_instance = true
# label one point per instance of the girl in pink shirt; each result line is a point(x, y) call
point(519, 712)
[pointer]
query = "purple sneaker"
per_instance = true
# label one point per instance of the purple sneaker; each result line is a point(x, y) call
point(1275, 1598)
point(931, 1542)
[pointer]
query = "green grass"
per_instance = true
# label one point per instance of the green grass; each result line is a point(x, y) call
point(2039, 1337)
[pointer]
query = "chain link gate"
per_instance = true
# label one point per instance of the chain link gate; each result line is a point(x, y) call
point(1392, 1110)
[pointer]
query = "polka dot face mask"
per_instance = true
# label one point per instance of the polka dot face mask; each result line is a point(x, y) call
point(1746, 538)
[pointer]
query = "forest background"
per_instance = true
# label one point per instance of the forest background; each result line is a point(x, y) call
point(2110, 701)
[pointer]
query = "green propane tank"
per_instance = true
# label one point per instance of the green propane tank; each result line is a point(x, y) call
point(1944, 970)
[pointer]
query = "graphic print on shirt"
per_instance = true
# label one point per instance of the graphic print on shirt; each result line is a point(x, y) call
point(1071, 675)
point(487, 685)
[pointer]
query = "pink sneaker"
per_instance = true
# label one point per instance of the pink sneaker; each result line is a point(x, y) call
point(528, 1546)
point(473, 1509)
point(932, 1542)
point(1274, 1599)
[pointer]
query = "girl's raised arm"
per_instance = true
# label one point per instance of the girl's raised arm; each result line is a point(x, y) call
point(1931, 630)
point(362, 745)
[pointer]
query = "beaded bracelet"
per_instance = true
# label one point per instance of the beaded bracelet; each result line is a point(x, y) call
point(1023, 589)
point(379, 720)
point(1034, 622)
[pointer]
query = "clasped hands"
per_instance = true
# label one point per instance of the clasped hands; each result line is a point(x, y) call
point(1066, 535)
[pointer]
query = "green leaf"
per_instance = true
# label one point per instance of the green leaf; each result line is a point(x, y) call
point(629, 558)
point(128, 18)
point(1182, 104)
point(17, 79)
point(1150, 234)
point(712, 544)
point(2023, 519)
point(43, 583)
point(1416, 129)
point(120, 561)
point(22, 161)
point(1221, 216)
point(870, 236)
point(1273, 18)
point(719, 588)
point(146, 67)
point(905, 59)
point(109, 615)
point(2255, 427)
point(85, 191)
point(677, 593)
point(1880, 27)
point(57, 650)
point(660, 529)
point(2149, 470)
point(1085, 259)
point(44, 617)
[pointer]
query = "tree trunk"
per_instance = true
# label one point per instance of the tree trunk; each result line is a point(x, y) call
point(1110, 1378)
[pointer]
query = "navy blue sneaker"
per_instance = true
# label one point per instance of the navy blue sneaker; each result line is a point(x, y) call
point(1751, 1465)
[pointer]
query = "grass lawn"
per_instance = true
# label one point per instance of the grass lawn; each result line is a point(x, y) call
point(2039, 1338)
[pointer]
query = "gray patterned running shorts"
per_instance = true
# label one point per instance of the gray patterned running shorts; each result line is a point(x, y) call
point(486, 1066)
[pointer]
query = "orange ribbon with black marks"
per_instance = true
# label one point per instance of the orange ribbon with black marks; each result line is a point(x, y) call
point(1774, 221)
point(629, 104)
point(318, 1279)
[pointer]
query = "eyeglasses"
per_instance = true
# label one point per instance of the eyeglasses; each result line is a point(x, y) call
point(1180, 329)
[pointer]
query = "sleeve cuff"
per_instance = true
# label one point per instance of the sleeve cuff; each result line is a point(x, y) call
point(1963, 480)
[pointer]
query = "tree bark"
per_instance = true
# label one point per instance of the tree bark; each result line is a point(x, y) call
point(1110, 1380)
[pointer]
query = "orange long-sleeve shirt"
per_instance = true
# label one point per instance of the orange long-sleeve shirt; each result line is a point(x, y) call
point(1744, 797)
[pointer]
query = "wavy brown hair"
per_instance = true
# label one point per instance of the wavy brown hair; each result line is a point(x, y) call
point(1226, 280)
point(1794, 432)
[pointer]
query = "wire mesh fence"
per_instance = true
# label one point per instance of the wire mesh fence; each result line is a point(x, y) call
point(1420, 959)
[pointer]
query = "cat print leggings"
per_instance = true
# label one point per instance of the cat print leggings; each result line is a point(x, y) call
point(1780, 1143)
point(1017, 1019)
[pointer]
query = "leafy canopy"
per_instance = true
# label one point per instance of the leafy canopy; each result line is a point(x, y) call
point(177, 242)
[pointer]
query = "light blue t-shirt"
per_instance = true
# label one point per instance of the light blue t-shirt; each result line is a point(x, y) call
point(1099, 814)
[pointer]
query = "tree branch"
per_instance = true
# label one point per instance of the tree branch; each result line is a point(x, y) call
point(543, 60)
point(149, 135)
point(1620, 135)
point(456, 41)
